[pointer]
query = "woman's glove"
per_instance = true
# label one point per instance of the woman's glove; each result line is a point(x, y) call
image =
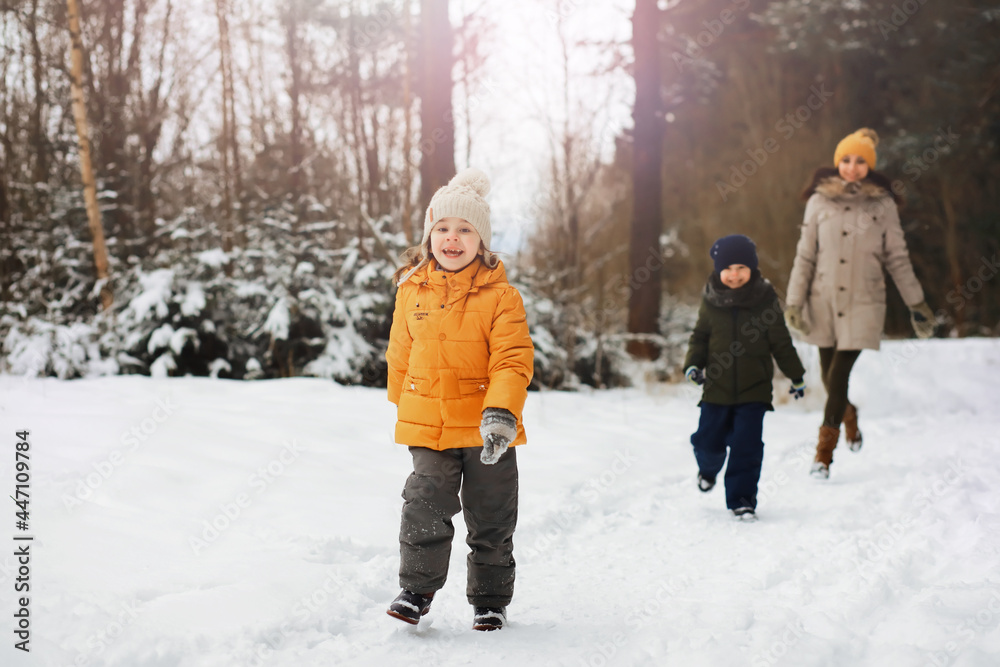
point(798, 389)
point(499, 428)
point(793, 317)
point(695, 375)
point(922, 319)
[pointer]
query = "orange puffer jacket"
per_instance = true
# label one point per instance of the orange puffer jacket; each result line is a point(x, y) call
point(459, 344)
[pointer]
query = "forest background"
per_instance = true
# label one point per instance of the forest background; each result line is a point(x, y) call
point(257, 167)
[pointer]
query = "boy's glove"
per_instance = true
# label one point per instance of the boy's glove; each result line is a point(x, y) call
point(798, 389)
point(793, 318)
point(922, 319)
point(695, 375)
point(499, 428)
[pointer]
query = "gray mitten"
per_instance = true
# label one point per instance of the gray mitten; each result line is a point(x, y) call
point(499, 428)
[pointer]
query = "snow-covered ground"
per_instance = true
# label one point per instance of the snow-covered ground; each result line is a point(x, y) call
point(207, 522)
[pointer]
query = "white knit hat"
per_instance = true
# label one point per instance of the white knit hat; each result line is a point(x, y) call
point(463, 197)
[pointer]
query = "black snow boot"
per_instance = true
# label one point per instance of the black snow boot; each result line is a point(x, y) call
point(409, 607)
point(489, 618)
point(705, 484)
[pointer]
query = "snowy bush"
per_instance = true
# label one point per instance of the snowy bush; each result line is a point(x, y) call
point(295, 299)
point(571, 351)
point(37, 348)
point(307, 300)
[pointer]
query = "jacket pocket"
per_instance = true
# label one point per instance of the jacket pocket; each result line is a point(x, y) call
point(416, 385)
point(473, 386)
point(876, 291)
point(875, 284)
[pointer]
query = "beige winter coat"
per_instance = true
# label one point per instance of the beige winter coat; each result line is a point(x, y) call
point(850, 233)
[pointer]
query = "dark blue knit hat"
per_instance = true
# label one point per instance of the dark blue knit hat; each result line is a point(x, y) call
point(733, 249)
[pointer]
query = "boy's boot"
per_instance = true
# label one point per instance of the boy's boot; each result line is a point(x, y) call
point(828, 437)
point(744, 514)
point(851, 432)
point(489, 618)
point(705, 484)
point(409, 607)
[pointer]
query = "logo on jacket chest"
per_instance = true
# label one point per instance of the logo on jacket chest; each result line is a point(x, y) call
point(419, 315)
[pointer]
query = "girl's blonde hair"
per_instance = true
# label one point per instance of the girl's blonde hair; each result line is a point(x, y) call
point(410, 260)
point(414, 257)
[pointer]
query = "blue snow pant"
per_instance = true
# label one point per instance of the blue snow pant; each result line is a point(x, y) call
point(739, 428)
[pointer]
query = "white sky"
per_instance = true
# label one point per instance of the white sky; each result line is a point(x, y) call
point(521, 98)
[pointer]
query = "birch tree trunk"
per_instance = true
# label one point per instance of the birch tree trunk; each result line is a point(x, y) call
point(86, 166)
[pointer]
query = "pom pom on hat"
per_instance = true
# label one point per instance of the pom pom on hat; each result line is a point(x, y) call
point(862, 142)
point(734, 249)
point(463, 197)
point(472, 178)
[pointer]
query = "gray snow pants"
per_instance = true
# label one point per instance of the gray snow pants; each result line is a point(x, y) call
point(489, 502)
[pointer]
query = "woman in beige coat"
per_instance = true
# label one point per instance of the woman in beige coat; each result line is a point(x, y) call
point(836, 294)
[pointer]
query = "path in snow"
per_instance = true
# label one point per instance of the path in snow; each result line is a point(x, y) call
point(198, 522)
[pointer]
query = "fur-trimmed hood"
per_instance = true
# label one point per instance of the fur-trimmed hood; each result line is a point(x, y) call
point(836, 188)
point(827, 182)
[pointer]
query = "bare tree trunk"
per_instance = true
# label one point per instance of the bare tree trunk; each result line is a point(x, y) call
point(437, 120)
point(225, 65)
point(599, 333)
point(149, 131)
point(40, 173)
point(951, 246)
point(360, 151)
point(86, 167)
point(408, 125)
point(7, 236)
point(295, 93)
point(239, 234)
point(5, 232)
point(377, 204)
point(569, 208)
point(253, 80)
point(466, 83)
point(645, 261)
point(376, 193)
point(4, 203)
point(571, 203)
point(111, 89)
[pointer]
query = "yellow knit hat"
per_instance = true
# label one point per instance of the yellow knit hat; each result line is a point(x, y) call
point(862, 142)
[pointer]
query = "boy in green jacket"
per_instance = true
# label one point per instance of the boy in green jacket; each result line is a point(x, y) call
point(740, 327)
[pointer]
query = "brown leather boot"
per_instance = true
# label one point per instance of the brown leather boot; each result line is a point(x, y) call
point(828, 437)
point(851, 432)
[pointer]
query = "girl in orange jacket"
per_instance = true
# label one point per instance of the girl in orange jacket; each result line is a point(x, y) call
point(460, 360)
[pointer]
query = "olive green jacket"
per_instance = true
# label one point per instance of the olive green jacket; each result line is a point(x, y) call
point(737, 333)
